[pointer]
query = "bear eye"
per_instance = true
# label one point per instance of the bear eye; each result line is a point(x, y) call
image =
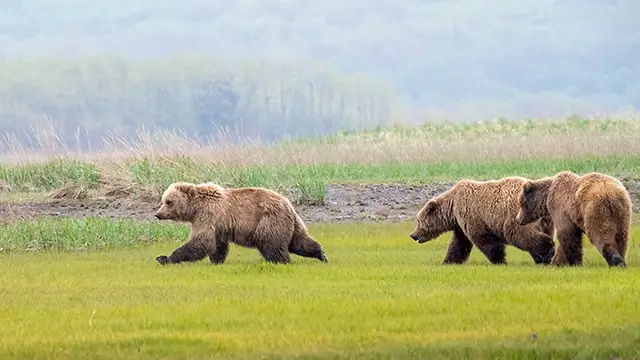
point(169, 202)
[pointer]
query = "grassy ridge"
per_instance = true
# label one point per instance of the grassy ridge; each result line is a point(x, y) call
point(305, 183)
point(381, 296)
point(303, 167)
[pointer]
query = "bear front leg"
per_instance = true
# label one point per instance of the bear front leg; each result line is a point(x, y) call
point(188, 252)
point(459, 248)
point(570, 251)
point(560, 259)
point(193, 250)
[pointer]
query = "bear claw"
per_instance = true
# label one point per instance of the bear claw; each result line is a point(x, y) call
point(162, 260)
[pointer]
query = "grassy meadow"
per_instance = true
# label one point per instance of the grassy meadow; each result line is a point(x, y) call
point(78, 288)
point(382, 296)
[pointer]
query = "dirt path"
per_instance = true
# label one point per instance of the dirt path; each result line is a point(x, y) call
point(371, 202)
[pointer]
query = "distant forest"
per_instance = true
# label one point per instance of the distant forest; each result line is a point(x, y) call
point(300, 67)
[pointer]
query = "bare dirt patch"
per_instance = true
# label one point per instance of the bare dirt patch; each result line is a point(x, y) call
point(78, 209)
point(344, 203)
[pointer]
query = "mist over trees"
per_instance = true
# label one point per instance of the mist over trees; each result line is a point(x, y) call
point(300, 67)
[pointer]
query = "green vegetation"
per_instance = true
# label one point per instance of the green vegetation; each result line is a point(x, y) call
point(50, 175)
point(99, 292)
point(93, 105)
point(307, 184)
point(92, 233)
point(303, 167)
point(381, 296)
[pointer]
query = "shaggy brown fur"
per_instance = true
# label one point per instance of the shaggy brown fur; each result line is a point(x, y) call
point(250, 217)
point(482, 213)
point(595, 204)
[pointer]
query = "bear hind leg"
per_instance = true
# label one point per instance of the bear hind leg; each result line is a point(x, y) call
point(306, 246)
point(459, 248)
point(220, 255)
point(612, 256)
point(274, 254)
point(272, 240)
point(537, 243)
point(622, 240)
point(493, 247)
point(605, 242)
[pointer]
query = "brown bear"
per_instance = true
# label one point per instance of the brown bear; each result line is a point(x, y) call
point(250, 217)
point(595, 204)
point(482, 213)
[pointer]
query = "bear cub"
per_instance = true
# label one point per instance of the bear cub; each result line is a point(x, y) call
point(594, 204)
point(483, 213)
point(250, 217)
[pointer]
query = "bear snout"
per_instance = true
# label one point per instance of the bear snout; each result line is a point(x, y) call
point(415, 237)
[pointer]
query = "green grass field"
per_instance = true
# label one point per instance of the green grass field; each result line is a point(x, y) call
point(91, 288)
point(381, 296)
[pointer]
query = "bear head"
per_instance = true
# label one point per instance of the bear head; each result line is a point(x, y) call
point(532, 201)
point(182, 201)
point(435, 218)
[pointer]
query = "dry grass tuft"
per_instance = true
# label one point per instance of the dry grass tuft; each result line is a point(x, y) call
point(4, 186)
point(70, 192)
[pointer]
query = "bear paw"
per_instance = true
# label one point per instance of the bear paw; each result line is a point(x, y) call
point(616, 260)
point(324, 258)
point(548, 257)
point(162, 260)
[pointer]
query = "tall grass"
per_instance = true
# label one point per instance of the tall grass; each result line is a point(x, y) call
point(303, 167)
point(85, 234)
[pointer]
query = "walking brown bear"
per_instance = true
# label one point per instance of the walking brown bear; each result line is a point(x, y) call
point(483, 213)
point(250, 217)
point(594, 204)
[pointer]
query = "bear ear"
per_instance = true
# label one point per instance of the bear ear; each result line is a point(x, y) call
point(209, 189)
point(186, 188)
point(527, 188)
point(431, 206)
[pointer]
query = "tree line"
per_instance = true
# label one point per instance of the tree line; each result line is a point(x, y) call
point(198, 96)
